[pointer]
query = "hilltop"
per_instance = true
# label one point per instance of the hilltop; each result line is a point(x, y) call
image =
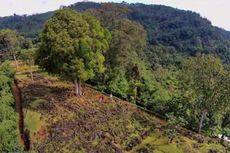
point(58, 121)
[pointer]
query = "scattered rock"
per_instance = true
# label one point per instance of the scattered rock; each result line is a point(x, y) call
point(135, 141)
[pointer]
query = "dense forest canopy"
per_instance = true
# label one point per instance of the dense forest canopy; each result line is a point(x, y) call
point(186, 31)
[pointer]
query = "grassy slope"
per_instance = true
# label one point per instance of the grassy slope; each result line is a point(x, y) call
point(60, 122)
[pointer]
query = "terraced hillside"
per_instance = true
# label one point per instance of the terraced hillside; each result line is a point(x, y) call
point(58, 121)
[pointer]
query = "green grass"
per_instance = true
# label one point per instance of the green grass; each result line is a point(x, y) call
point(95, 142)
point(157, 143)
point(206, 147)
point(32, 121)
point(147, 144)
point(170, 148)
point(22, 77)
point(25, 68)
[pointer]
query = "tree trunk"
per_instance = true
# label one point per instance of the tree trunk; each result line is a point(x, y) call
point(15, 62)
point(201, 121)
point(104, 78)
point(135, 94)
point(31, 74)
point(79, 88)
point(76, 88)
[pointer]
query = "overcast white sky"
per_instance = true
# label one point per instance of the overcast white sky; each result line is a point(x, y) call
point(215, 10)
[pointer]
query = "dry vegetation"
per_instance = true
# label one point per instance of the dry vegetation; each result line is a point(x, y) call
point(61, 122)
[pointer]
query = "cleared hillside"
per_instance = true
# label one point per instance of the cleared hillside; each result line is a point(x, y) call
point(58, 121)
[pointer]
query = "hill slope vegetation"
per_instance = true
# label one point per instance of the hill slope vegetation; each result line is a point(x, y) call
point(63, 122)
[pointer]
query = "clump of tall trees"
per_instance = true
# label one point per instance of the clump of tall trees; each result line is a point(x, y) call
point(73, 45)
point(206, 87)
point(10, 45)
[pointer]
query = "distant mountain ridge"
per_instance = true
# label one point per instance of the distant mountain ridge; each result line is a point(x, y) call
point(31, 25)
point(15, 20)
point(187, 32)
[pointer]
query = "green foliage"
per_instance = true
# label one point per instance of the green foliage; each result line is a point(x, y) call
point(205, 86)
point(32, 121)
point(118, 83)
point(186, 31)
point(163, 56)
point(205, 76)
point(9, 43)
point(9, 39)
point(28, 55)
point(72, 45)
point(8, 126)
point(125, 56)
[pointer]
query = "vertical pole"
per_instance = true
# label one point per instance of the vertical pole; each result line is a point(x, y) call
point(76, 87)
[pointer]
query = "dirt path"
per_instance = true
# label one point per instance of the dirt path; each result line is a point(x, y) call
point(24, 137)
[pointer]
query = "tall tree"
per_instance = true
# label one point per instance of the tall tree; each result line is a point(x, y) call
point(205, 85)
point(28, 56)
point(129, 38)
point(126, 51)
point(10, 44)
point(72, 45)
point(135, 80)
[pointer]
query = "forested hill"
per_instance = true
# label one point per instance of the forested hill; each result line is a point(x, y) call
point(31, 25)
point(187, 32)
